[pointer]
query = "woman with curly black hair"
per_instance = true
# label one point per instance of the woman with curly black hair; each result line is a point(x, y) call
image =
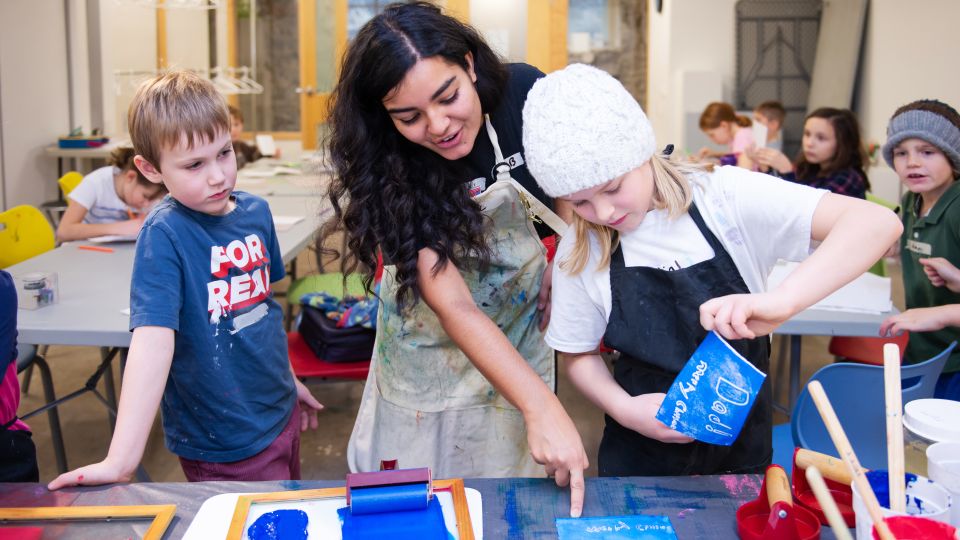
point(425, 140)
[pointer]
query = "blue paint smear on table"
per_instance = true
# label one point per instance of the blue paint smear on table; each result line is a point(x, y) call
point(616, 527)
point(713, 393)
point(880, 483)
point(280, 525)
point(425, 524)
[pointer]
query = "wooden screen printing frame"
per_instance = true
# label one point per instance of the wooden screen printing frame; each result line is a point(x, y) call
point(240, 514)
point(160, 514)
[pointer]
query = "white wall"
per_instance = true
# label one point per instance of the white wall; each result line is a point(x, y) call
point(503, 24)
point(911, 53)
point(688, 36)
point(128, 41)
point(34, 103)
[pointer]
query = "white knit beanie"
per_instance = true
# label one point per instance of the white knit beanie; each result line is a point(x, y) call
point(581, 128)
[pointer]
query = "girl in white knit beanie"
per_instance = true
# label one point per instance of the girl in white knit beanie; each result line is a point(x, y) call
point(660, 254)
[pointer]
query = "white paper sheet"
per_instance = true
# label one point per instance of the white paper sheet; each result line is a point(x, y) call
point(759, 134)
point(112, 238)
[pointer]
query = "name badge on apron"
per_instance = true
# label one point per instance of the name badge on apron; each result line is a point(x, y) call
point(922, 248)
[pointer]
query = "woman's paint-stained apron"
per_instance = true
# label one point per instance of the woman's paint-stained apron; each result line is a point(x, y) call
point(655, 324)
point(424, 402)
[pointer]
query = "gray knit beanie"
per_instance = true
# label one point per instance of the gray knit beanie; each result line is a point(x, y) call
point(582, 128)
point(927, 119)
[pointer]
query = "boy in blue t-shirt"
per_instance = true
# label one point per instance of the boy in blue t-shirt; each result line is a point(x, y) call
point(204, 320)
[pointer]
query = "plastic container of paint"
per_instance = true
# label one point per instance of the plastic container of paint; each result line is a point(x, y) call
point(918, 527)
point(928, 421)
point(925, 498)
point(943, 466)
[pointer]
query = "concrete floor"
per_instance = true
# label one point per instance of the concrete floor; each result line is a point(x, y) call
point(86, 429)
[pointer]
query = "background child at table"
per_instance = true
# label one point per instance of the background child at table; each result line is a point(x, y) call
point(659, 254)
point(18, 455)
point(923, 146)
point(207, 334)
point(246, 152)
point(112, 200)
point(832, 156)
point(725, 127)
point(771, 114)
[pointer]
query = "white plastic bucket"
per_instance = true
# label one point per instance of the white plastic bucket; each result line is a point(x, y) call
point(943, 467)
point(924, 498)
point(928, 421)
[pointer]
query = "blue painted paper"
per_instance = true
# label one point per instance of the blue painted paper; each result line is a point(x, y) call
point(713, 393)
point(424, 524)
point(279, 525)
point(615, 528)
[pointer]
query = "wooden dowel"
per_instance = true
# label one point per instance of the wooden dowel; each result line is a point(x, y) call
point(839, 437)
point(894, 403)
point(827, 504)
point(829, 467)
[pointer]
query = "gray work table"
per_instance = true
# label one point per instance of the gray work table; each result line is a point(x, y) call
point(513, 508)
point(95, 286)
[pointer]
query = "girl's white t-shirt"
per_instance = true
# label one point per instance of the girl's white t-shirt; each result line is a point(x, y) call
point(757, 218)
point(98, 195)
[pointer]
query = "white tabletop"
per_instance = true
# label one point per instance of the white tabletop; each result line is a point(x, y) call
point(95, 286)
point(824, 322)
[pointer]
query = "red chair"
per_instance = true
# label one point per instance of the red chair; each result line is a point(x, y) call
point(307, 365)
point(865, 350)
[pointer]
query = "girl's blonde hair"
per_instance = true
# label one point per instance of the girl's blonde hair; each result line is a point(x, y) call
point(671, 191)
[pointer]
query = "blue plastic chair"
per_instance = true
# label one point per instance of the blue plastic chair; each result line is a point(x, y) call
point(857, 394)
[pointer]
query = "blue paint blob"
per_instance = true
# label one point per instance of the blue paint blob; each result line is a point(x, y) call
point(280, 525)
point(880, 483)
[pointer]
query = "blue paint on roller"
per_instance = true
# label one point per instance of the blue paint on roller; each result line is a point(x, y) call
point(280, 525)
point(880, 483)
point(372, 500)
point(424, 524)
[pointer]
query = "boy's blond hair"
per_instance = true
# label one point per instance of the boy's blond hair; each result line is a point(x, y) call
point(171, 106)
point(671, 191)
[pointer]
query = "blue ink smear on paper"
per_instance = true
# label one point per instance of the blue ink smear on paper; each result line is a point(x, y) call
point(880, 484)
point(423, 524)
point(616, 528)
point(713, 393)
point(280, 525)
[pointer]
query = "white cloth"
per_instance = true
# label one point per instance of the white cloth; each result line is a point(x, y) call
point(97, 193)
point(757, 218)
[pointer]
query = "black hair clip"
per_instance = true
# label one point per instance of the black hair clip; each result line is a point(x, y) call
point(668, 149)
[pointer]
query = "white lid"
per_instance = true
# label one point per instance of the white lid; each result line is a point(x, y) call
point(933, 419)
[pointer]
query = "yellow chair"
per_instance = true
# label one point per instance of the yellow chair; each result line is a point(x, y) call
point(55, 209)
point(24, 233)
point(69, 181)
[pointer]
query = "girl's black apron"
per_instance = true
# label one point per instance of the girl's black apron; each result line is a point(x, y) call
point(655, 324)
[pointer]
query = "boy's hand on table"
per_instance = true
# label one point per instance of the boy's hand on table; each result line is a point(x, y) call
point(309, 406)
point(916, 320)
point(744, 316)
point(639, 413)
point(91, 475)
